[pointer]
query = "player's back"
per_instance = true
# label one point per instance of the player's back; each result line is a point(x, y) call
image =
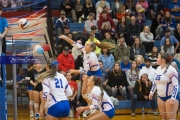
point(58, 87)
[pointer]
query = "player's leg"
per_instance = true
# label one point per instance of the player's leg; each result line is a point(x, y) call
point(36, 103)
point(45, 106)
point(99, 116)
point(162, 108)
point(171, 111)
point(31, 102)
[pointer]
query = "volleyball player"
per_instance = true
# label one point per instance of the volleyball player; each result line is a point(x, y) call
point(55, 92)
point(37, 91)
point(166, 84)
point(100, 100)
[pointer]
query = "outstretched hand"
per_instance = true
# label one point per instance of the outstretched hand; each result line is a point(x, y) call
point(62, 36)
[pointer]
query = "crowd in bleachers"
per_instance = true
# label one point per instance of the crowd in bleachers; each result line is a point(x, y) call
point(134, 58)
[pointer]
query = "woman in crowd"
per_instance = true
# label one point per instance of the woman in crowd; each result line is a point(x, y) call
point(156, 22)
point(137, 49)
point(146, 38)
point(167, 48)
point(117, 81)
point(107, 58)
point(153, 57)
point(166, 84)
point(122, 28)
point(132, 77)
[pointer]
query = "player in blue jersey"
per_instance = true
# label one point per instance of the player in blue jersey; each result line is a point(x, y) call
point(166, 84)
point(55, 92)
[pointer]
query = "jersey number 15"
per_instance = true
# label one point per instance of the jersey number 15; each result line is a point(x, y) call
point(58, 83)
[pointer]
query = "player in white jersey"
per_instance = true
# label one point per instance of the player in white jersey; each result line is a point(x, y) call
point(55, 92)
point(166, 84)
point(100, 100)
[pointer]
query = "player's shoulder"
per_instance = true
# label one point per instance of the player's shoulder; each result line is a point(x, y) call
point(172, 69)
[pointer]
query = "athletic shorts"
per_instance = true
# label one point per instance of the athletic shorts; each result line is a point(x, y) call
point(110, 113)
point(60, 109)
point(38, 87)
point(30, 87)
point(168, 97)
point(96, 73)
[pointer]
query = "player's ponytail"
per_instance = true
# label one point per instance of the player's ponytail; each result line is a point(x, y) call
point(98, 82)
point(105, 45)
point(51, 70)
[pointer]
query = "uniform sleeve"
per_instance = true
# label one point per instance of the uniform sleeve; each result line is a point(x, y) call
point(95, 97)
point(153, 88)
point(81, 47)
point(46, 88)
point(174, 79)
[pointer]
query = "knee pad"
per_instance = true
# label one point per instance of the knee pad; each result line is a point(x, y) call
point(31, 102)
point(46, 105)
point(36, 105)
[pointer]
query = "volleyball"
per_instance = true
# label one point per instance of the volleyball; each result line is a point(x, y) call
point(23, 23)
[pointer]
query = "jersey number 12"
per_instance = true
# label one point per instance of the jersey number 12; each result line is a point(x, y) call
point(58, 83)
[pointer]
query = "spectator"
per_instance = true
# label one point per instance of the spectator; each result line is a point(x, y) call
point(156, 22)
point(79, 61)
point(134, 30)
point(79, 9)
point(144, 5)
point(104, 77)
point(141, 92)
point(109, 39)
point(125, 64)
point(132, 76)
point(140, 61)
point(177, 35)
point(107, 58)
point(66, 60)
point(122, 12)
point(108, 11)
point(153, 57)
point(171, 38)
point(89, 23)
point(115, 6)
point(104, 20)
point(151, 72)
point(130, 5)
point(88, 7)
point(147, 39)
point(106, 28)
point(61, 23)
point(137, 49)
point(69, 8)
point(139, 14)
point(106, 3)
point(155, 6)
point(167, 47)
point(117, 81)
point(175, 10)
point(120, 51)
point(72, 99)
point(175, 60)
point(75, 51)
point(122, 28)
point(169, 22)
point(99, 9)
point(93, 39)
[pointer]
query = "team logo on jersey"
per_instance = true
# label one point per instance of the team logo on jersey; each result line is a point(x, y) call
point(158, 77)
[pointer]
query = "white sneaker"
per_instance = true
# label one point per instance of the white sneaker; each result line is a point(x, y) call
point(71, 114)
point(31, 114)
point(84, 115)
point(92, 111)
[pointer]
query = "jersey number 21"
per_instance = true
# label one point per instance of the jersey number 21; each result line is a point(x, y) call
point(58, 83)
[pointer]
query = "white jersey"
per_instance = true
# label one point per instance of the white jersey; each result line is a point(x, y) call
point(90, 60)
point(104, 104)
point(166, 82)
point(56, 89)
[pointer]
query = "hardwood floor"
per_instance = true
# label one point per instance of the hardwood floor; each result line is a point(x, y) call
point(23, 114)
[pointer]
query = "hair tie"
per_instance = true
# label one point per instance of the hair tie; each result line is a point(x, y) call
point(54, 63)
point(99, 78)
point(170, 58)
